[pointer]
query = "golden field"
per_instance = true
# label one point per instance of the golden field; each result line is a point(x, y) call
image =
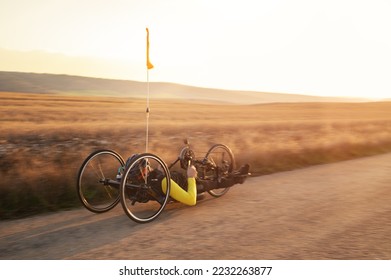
point(45, 138)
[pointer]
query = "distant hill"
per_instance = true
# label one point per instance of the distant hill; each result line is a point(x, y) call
point(77, 85)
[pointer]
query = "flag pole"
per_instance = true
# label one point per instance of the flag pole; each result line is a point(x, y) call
point(149, 66)
point(147, 116)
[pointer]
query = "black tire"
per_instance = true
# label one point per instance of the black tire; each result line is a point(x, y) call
point(141, 195)
point(224, 159)
point(92, 181)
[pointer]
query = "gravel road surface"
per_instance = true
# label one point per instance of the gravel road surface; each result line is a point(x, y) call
point(332, 211)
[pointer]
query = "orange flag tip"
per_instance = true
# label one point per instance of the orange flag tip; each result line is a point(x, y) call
point(149, 64)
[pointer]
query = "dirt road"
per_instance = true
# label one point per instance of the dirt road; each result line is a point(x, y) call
point(334, 211)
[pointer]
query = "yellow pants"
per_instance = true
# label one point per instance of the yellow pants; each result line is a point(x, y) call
point(188, 197)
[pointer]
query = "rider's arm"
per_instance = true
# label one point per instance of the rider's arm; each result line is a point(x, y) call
point(188, 197)
point(191, 183)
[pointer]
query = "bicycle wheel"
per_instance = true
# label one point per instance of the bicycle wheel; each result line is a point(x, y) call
point(222, 157)
point(141, 188)
point(97, 187)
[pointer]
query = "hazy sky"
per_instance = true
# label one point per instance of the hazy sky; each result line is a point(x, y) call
point(335, 48)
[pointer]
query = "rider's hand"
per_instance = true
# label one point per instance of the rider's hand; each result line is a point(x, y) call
point(191, 172)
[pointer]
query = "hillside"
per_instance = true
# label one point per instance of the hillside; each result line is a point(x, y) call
point(77, 85)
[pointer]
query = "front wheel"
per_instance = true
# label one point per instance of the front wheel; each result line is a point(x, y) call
point(145, 188)
point(97, 187)
point(223, 159)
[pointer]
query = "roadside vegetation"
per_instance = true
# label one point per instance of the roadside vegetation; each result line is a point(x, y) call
point(45, 138)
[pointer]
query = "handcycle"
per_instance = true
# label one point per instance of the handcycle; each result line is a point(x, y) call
point(105, 179)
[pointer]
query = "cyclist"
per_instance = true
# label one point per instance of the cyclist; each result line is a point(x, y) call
point(184, 189)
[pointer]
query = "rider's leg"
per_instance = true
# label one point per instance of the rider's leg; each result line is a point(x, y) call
point(237, 177)
point(188, 197)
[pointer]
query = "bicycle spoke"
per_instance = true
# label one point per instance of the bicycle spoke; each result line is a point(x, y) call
point(94, 169)
point(101, 172)
point(108, 191)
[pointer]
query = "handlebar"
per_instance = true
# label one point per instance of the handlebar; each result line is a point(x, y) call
point(187, 155)
point(205, 161)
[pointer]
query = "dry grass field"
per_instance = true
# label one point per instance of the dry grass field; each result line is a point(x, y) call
point(45, 138)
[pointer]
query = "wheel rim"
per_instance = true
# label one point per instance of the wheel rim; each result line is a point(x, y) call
point(222, 157)
point(93, 190)
point(141, 192)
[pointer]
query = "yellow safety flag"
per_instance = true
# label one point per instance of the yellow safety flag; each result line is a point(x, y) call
point(149, 64)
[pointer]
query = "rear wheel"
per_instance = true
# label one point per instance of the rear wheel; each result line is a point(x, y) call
point(224, 163)
point(97, 187)
point(141, 191)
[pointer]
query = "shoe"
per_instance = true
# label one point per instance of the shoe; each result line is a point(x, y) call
point(241, 174)
point(243, 170)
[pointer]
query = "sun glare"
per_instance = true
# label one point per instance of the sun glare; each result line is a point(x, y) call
point(336, 49)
